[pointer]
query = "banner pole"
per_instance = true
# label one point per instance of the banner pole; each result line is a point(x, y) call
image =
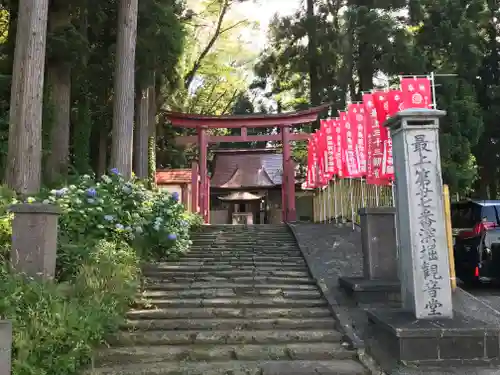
point(433, 87)
point(328, 202)
point(325, 194)
point(342, 200)
point(335, 208)
point(351, 195)
point(363, 193)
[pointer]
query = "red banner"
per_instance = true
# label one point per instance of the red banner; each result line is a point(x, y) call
point(395, 105)
point(374, 141)
point(311, 180)
point(394, 102)
point(339, 153)
point(416, 92)
point(320, 152)
point(330, 169)
point(348, 147)
point(356, 112)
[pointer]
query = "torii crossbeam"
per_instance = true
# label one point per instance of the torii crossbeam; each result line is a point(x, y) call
point(283, 121)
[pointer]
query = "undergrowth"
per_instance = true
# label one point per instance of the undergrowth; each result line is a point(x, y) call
point(107, 228)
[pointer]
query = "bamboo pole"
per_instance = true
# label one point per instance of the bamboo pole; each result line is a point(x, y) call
point(449, 236)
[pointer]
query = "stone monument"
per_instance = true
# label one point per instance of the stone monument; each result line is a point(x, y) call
point(34, 239)
point(425, 331)
point(380, 283)
point(423, 254)
point(5, 347)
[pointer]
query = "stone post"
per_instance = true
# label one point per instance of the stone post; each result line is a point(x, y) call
point(34, 239)
point(5, 347)
point(379, 284)
point(423, 250)
point(378, 242)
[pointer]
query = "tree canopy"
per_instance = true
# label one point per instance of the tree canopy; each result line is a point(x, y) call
point(190, 56)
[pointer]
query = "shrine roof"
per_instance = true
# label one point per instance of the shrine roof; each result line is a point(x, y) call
point(173, 176)
point(247, 169)
point(191, 120)
point(240, 196)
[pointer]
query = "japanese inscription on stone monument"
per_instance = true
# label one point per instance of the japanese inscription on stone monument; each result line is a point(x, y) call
point(431, 263)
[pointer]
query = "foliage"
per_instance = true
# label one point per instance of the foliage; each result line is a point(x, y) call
point(117, 210)
point(107, 227)
point(7, 197)
point(359, 46)
point(57, 326)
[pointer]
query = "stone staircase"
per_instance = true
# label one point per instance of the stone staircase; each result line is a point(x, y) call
point(240, 302)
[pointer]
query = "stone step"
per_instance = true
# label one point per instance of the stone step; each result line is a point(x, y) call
point(229, 324)
point(195, 337)
point(231, 312)
point(231, 273)
point(298, 367)
point(246, 249)
point(222, 267)
point(234, 302)
point(203, 253)
point(250, 246)
point(236, 263)
point(231, 292)
point(272, 238)
point(248, 237)
point(249, 280)
point(243, 259)
point(152, 354)
point(251, 242)
point(241, 254)
point(159, 285)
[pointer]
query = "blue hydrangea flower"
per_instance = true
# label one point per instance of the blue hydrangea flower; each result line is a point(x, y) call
point(91, 192)
point(172, 236)
point(175, 196)
point(60, 193)
point(114, 171)
point(108, 217)
point(119, 226)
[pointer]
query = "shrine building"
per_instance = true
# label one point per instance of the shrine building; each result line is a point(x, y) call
point(253, 186)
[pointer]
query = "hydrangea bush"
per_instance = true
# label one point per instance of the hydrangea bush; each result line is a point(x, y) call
point(107, 227)
point(114, 209)
point(168, 231)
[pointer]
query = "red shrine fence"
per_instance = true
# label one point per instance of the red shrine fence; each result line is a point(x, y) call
point(350, 156)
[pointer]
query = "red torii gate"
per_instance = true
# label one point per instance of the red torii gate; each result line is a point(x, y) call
point(284, 121)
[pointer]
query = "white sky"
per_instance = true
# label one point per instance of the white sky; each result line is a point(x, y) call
point(263, 11)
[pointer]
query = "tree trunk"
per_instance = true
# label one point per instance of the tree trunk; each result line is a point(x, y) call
point(123, 103)
point(312, 47)
point(59, 76)
point(141, 134)
point(152, 135)
point(493, 187)
point(24, 160)
point(103, 151)
point(82, 126)
point(366, 69)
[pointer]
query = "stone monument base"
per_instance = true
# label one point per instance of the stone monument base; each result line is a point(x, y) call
point(5, 347)
point(364, 291)
point(395, 339)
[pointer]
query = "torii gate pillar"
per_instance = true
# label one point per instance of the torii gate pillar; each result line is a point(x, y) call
point(288, 184)
point(202, 144)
